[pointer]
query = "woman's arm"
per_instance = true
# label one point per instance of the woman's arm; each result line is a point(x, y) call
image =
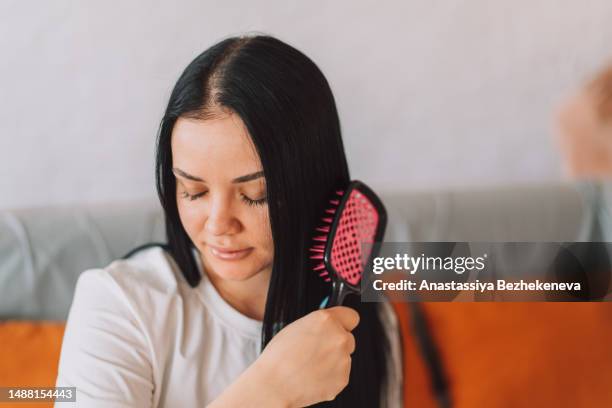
point(105, 354)
point(251, 389)
point(308, 361)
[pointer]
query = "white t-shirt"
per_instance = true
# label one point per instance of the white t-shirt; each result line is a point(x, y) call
point(139, 336)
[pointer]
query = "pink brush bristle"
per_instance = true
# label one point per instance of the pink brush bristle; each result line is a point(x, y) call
point(318, 249)
point(357, 225)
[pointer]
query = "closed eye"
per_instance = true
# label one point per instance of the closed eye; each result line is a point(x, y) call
point(192, 197)
point(247, 200)
point(260, 201)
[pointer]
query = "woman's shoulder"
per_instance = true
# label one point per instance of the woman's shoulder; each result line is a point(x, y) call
point(151, 268)
point(139, 281)
point(114, 336)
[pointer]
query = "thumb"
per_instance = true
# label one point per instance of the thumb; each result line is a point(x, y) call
point(346, 316)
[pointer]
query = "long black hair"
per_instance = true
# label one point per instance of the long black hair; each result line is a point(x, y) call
point(289, 111)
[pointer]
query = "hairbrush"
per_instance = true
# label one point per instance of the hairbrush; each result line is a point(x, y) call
point(356, 216)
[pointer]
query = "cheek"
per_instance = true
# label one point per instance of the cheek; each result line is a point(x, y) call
point(191, 218)
point(261, 227)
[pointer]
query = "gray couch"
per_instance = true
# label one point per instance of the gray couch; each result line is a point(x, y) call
point(43, 250)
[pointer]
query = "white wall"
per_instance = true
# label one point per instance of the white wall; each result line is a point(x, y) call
point(431, 94)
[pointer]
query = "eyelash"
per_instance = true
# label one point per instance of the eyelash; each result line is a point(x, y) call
point(246, 199)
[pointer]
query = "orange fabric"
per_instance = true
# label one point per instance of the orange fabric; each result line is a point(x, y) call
point(495, 354)
point(29, 354)
point(516, 354)
point(417, 386)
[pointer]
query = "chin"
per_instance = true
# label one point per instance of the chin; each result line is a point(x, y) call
point(233, 273)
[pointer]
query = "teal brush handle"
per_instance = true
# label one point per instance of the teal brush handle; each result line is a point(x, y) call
point(324, 302)
point(339, 292)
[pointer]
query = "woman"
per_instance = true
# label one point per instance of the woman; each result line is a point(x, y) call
point(226, 313)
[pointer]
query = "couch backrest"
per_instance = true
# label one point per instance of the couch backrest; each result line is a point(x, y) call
point(548, 212)
point(43, 250)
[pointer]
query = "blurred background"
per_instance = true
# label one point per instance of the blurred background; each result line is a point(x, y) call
point(431, 94)
point(466, 116)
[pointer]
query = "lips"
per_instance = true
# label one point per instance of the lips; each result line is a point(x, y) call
point(229, 254)
point(226, 250)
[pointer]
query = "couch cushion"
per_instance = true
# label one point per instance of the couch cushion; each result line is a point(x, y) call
point(29, 355)
point(514, 354)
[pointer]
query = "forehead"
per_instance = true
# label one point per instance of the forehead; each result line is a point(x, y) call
point(222, 143)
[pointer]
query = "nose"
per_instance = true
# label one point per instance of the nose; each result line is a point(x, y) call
point(221, 219)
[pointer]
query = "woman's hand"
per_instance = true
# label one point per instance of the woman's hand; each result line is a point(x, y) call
point(309, 361)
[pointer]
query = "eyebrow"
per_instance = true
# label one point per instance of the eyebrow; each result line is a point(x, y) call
point(241, 179)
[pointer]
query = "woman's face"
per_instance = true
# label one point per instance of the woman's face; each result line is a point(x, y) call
point(221, 196)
